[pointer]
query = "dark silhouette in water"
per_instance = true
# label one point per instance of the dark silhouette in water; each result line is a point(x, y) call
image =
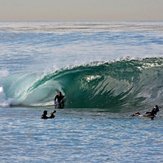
point(152, 114)
point(154, 111)
point(52, 115)
point(44, 115)
point(136, 114)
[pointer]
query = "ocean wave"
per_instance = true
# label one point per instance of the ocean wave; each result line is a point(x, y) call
point(117, 86)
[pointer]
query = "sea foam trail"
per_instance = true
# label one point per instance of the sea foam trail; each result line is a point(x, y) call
point(116, 87)
point(3, 101)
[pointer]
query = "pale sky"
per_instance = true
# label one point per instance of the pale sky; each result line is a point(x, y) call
point(76, 10)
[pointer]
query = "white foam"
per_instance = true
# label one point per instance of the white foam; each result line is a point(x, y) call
point(1, 89)
point(3, 101)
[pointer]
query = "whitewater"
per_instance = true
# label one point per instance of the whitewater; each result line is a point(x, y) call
point(106, 70)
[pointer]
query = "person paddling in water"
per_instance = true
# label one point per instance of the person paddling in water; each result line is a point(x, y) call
point(59, 100)
point(152, 114)
point(44, 115)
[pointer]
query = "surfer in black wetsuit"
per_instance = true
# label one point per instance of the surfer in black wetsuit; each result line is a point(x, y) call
point(44, 115)
point(152, 114)
point(59, 100)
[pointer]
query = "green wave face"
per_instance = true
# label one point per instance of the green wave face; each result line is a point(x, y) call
point(117, 86)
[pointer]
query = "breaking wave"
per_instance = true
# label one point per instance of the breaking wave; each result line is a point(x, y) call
point(117, 86)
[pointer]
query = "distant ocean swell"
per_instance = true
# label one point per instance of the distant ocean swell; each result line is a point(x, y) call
point(117, 86)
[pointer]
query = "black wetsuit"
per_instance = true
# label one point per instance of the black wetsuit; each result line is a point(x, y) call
point(44, 116)
point(59, 98)
point(60, 101)
point(154, 111)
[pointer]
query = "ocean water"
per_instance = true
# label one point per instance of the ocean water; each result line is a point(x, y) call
point(106, 70)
